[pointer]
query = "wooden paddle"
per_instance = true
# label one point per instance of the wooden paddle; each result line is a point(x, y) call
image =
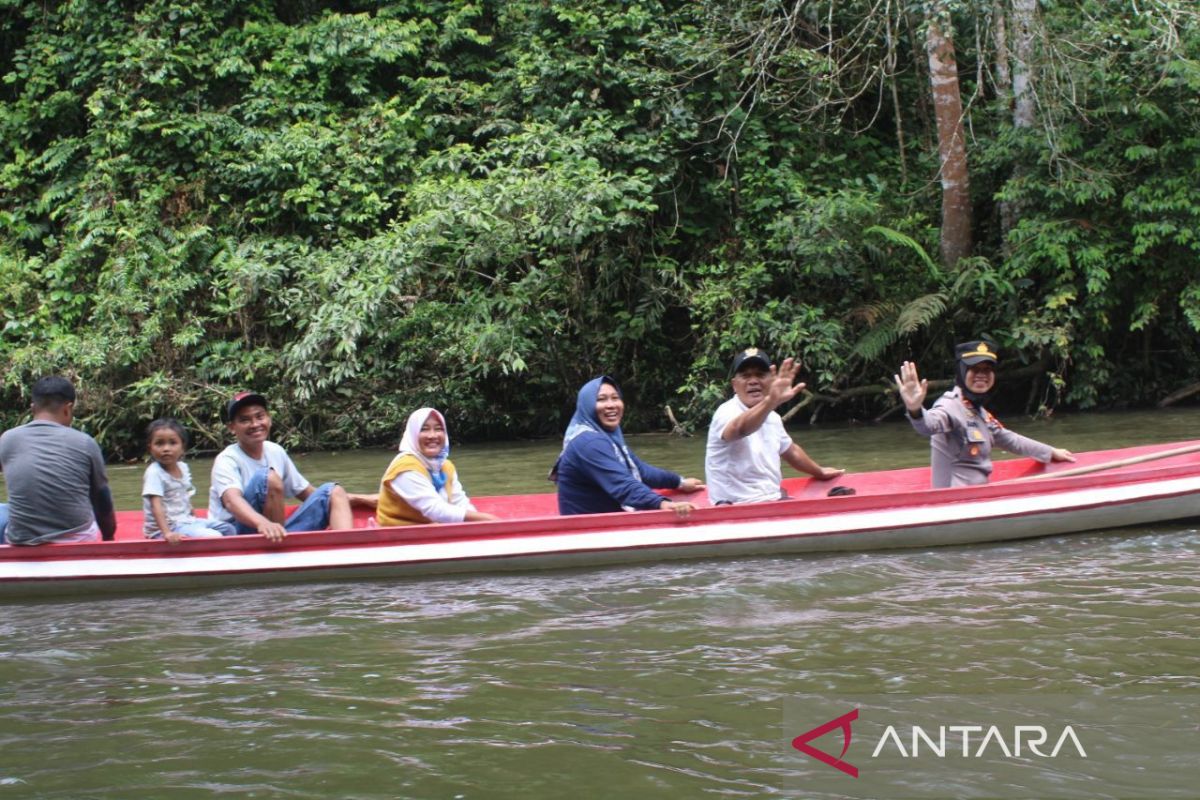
point(1124, 462)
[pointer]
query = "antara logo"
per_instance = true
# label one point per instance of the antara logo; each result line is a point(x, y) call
point(1032, 736)
point(801, 743)
point(987, 740)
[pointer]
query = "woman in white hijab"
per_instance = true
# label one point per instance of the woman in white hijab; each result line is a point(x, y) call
point(421, 484)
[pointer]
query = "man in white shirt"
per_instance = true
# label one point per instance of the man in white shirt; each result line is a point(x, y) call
point(253, 477)
point(747, 440)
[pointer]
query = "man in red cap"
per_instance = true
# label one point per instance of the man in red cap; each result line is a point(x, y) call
point(253, 477)
point(960, 428)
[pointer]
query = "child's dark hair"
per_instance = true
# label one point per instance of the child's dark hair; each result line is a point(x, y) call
point(170, 423)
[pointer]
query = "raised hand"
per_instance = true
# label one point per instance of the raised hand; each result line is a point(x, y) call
point(912, 389)
point(779, 384)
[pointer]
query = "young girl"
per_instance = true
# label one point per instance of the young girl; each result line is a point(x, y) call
point(167, 489)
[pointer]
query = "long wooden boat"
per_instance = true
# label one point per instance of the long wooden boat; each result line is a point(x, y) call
point(889, 509)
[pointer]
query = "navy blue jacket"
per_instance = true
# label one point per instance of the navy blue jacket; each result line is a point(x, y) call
point(593, 478)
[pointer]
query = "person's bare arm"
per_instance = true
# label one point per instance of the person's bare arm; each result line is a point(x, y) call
point(802, 461)
point(368, 501)
point(106, 515)
point(160, 519)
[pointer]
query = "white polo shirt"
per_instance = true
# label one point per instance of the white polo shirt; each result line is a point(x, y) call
point(745, 470)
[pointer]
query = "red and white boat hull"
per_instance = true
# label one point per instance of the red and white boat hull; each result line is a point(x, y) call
point(889, 510)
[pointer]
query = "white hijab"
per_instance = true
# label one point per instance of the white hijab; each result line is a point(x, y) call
point(409, 443)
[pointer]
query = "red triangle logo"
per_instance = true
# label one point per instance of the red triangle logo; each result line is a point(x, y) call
point(801, 743)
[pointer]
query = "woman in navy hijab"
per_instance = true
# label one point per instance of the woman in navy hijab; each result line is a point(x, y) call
point(596, 471)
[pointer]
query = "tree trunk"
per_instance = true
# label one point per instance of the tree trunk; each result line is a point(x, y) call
point(1024, 18)
point(1004, 92)
point(1024, 105)
point(952, 147)
point(1000, 42)
point(898, 109)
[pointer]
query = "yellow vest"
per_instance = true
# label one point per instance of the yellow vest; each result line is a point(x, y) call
point(393, 510)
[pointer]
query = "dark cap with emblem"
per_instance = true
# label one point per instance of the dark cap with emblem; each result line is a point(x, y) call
point(972, 353)
point(240, 401)
point(750, 356)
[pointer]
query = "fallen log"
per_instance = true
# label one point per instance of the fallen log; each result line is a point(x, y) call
point(676, 428)
point(1182, 394)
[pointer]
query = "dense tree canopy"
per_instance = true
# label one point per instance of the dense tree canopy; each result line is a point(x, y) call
point(359, 208)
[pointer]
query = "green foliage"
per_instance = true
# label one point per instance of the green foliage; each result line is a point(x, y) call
point(1107, 248)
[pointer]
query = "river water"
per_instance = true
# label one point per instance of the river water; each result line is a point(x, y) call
point(665, 680)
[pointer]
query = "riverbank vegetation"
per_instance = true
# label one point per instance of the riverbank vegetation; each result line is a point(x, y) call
point(360, 208)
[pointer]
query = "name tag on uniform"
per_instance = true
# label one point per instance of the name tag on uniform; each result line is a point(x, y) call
point(974, 435)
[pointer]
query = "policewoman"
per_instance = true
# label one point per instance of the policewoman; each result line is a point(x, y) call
point(960, 428)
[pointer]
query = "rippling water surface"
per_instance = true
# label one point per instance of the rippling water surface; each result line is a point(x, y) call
point(663, 680)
